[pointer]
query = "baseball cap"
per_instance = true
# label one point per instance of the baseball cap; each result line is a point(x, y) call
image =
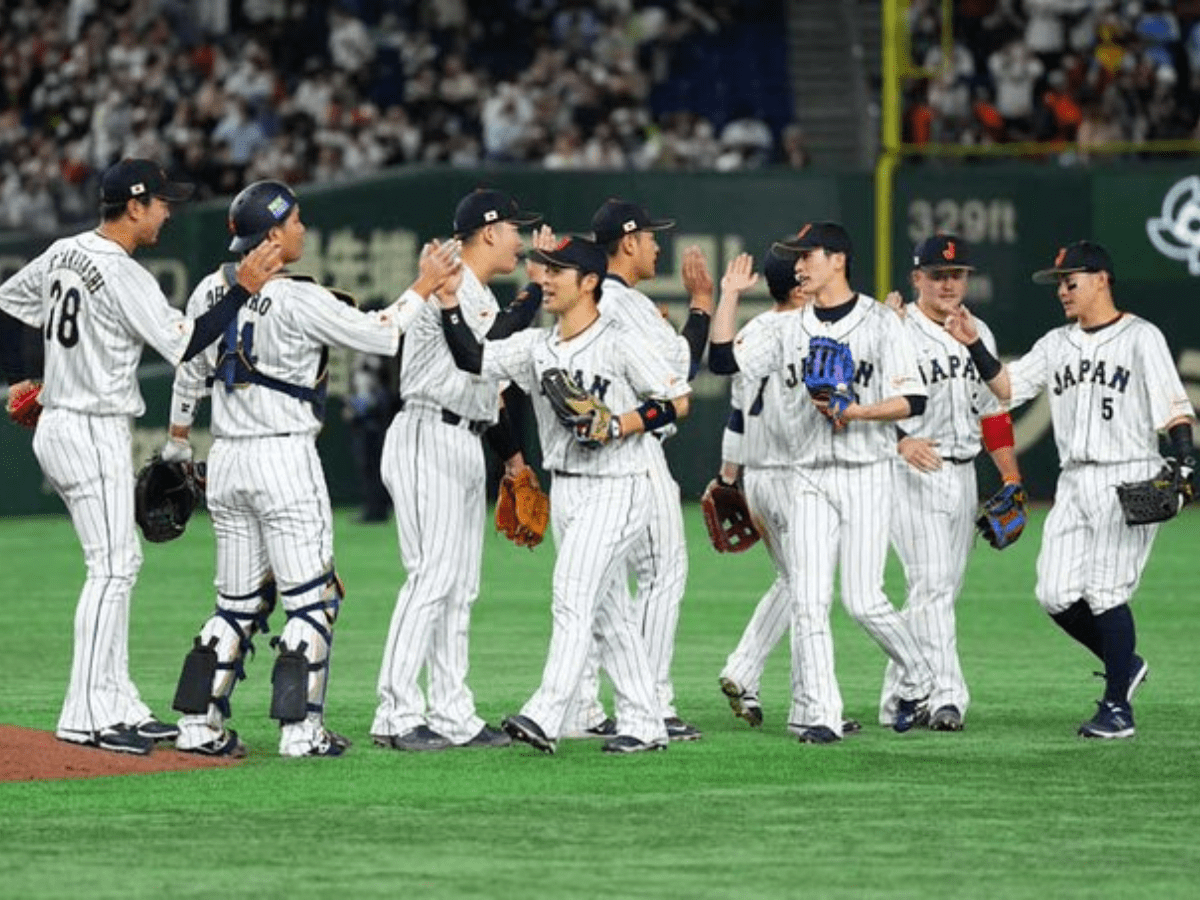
point(828, 236)
point(1081, 256)
point(140, 178)
point(779, 270)
point(257, 209)
point(942, 251)
point(484, 206)
point(617, 218)
point(575, 253)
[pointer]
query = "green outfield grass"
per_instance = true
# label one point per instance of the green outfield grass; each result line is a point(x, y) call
point(1015, 806)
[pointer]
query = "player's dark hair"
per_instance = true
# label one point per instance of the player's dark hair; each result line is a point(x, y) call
point(611, 248)
point(110, 212)
point(598, 291)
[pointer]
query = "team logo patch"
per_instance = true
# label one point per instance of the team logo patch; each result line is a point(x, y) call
point(563, 244)
point(805, 230)
point(136, 189)
point(629, 226)
point(279, 207)
point(949, 252)
point(1175, 232)
point(1062, 254)
point(491, 215)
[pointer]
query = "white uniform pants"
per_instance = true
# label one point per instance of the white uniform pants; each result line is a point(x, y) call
point(87, 460)
point(596, 522)
point(436, 475)
point(933, 528)
point(841, 524)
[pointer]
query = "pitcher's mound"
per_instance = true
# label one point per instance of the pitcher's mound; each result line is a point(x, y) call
point(29, 755)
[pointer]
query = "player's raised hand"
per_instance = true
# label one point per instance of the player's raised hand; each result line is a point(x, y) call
point(895, 302)
point(739, 276)
point(439, 269)
point(960, 325)
point(257, 266)
point(920, 453)
point(697, 280)
point(542, 239)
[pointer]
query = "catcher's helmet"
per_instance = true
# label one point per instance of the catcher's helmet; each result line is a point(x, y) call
point(256, 210)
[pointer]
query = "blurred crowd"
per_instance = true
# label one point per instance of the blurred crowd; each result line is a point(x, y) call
point(225, 92)
point(1076, 73)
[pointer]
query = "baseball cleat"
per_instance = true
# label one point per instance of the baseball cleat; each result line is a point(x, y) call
point(1141, 671)
point(815, 734)
point(851, 726)
point(151, 727)
point(605, 729)
point(523, 728)
point(910, 713)
point(946, 718)
point(124, 740)
point(627, 743)
point(1111, 721)
point(744, 704)
point(225, 744)
point(420, 739)
point(679, 730)
point(488, 737)
point(330, 743)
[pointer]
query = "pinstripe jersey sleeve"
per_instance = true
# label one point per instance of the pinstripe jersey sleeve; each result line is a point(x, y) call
point(511, 359)
point(899, 360)
point(1166, 395)
point(651, 374)
point(149, 314)
point(21, 294)
point(758, 349)
point(1029, 375)
point(329, 321)
point(191, 376)
point(638, 314)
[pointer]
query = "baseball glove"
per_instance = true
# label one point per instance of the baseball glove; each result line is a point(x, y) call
point(522, 509)
point(24, 404)
point(1002, 516)
point(829, 372)
point(165, 495)
point(727, 518)
point(1157, 499)
point(586, 417)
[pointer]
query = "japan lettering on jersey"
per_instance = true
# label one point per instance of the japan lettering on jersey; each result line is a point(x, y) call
point(428, 372)
point(771, 405)
point(614, 365)
point(283, 331)
point(638, 313)
point(958, 397)
point(885, 367)
point(1110, 390)
point(97, 308)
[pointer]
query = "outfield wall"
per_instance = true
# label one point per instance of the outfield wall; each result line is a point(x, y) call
point(364, 237)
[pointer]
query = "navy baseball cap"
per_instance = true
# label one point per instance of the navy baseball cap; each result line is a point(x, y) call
point(1081, 256)
point(575, 253)
point(141, 178)
point(617, 218)
point(780, 272)
point(942, 251)
point(256, 210)
point(828, 236)
point(485, 206)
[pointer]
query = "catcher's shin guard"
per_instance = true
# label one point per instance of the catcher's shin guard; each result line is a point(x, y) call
point(214, 665)
point(301, 675)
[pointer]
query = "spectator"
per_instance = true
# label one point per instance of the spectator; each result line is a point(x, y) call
point(239, 131)
point(1014, 71)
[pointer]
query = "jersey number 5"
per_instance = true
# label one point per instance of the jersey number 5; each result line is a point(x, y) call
point(64, 307)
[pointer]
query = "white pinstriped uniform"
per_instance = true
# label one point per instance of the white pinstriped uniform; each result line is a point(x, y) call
point(436, 475)
point(266, 486)
point(843, 503)
point(97, 308)
point(599, 508)
point(659, 562)
point(1110, 390)
point(933, 513)
point(769, 448)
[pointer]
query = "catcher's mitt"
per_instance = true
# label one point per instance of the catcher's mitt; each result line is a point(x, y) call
point(1002, 516)
point(522, 509)
point(1157, 499)
point(164, 497)
point(829, 372)
point(24, 404)
point(586, 417)
point(727, 518)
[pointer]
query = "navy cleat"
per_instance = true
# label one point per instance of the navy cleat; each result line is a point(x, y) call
point(815, 734)
point(910, 713)
point(1111, 721)
point(627, 743)
point(523, 728)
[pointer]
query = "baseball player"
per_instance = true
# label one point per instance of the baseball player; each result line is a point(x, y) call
point(97, 308)
point(600, 496)
point(934, 486)
point(659, 562)
point(433, 466)
point(843, 467)
point(266, 488)
point(1112, 385)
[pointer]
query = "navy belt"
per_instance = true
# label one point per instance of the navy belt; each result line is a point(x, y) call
point(560, 474)
point(959, 461)
point(475, 426)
